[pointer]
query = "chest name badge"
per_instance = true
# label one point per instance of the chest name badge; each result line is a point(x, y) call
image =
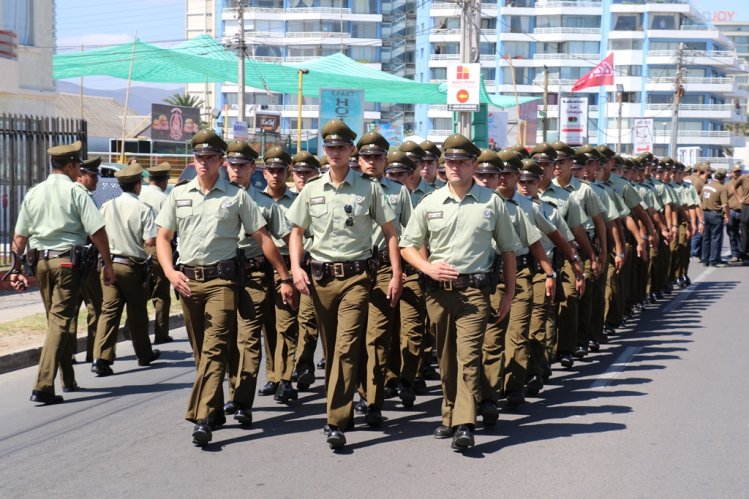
point(488, 214)
point(431, 215)
point(184, 202)
point(320, 200)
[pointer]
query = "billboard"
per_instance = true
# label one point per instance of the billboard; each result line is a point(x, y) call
point(174, 123)
point(463, 87)
point(392, 132)
point(266, 121)
point(573, 120)
point(642, 135)
point(346, 104)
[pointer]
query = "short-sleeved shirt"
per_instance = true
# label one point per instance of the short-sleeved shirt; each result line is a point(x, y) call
point(650, 198)
point(553, 216)
point(697, 182)
point(714, 196)
point(742, 188)
point(275, 221)
point(534, 213)
point(611, 213)
point(324, 209)
point(624, 189)
point(398, 198)
point(663, 194)
point(733, 199)
point(526, 231)
point(129, 223)
point(153, 196)
point(567, 206)
point(84, 189)
point(421, 190)
point(586, 198)
point(56, 214)
point(618, 200)
point(460, 231)
point(208, 224)
point(284, 203)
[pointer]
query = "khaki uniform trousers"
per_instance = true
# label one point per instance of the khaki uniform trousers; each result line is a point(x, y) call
point(460, 318)
point(539, 335)
point(341, 311)
point(679, 253)
point(663, 265)
point(287, 330)
point(91, 295)
point(59, 286)
point(126, 291)
point(407, 358)
point(585, 306)
point(308, 333)
point(598, 301)
point(504, 362)
point(566, 311)
point(211, 322)
point(651, 285)
point(254, 303)
point(381, 324)
point(161, 297)
point(615, 290)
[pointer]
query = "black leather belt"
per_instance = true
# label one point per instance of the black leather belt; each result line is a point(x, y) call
point(383, 257)
point(225, 269)
point(409, 269)
point(478, 280)
point(523, 261)
point(256, 264)
point(339, 270)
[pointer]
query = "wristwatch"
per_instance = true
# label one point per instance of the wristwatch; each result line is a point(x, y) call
point(553, 275)
point(288, 280)
point(575, 258)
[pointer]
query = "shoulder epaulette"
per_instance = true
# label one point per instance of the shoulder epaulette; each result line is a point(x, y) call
point(511, 201)
point(265, 194)
point(181, 182)
point(314, 179)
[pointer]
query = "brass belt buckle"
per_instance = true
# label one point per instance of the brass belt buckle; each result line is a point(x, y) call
point(338, 270)
point(199, 274)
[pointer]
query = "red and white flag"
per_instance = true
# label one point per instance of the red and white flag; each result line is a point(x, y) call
point(602, 74)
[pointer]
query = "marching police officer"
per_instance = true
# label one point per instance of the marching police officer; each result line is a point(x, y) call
point(54, 220)
point(130, 225)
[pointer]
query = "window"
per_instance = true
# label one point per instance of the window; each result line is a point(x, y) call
point(18, 16)
point(578, 47)
point(615, 44)
point(441, 123)
point(516, 50)
point(365, 6)
point(627, 22)
point(581, 21)
point(363, 54)
point(363, 30)
point(661, 21)
point(520, 24)
point(522, 76)
point(438, 74)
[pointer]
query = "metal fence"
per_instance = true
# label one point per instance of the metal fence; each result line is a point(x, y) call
point(24, 141)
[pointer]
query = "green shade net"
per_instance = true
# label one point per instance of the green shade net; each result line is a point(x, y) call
point(203, 60)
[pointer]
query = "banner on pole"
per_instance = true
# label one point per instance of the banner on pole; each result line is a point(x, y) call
point(642, 135)
point(573, 120)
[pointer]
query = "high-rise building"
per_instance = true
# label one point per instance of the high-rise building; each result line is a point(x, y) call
point(522, 38)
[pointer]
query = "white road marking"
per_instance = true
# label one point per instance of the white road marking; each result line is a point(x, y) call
point(619, 364)
point(673, 304)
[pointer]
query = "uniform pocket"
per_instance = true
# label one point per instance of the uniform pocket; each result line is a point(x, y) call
point(227, 209)
point(436, 224)
point(184, 211)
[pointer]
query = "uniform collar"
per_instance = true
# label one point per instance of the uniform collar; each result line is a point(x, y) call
point(349, 179)
point(286, 193)
point(220, 184)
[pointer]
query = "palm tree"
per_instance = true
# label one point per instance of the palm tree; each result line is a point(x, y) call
point(185, 100)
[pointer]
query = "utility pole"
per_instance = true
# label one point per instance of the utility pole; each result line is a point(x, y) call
point(620, 100)
point(678, 94)
point(545, 122)
point(470, 22)
point(240, 71)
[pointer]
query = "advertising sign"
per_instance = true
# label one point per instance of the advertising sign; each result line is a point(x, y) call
point(266, 121)
point(392, 132)
point(174, 123)
point(642, 135)
point(496, 122)
point(573, 120)
point(240, 130)
point(463, 87)
point(346, 104)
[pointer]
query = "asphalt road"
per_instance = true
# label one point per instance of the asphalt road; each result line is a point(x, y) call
point(661, 411)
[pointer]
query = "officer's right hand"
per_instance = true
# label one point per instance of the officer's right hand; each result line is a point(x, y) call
point(108, 274)
point(442, 271)
point(19, 282)
point(301, 280)
point(179, 282)
point(642, 251)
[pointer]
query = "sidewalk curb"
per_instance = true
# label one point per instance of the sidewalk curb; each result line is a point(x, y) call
point(26, 358)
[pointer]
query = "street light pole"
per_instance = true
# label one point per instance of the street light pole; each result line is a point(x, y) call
point(620, 100)
point(300, 97)
point(240, 75)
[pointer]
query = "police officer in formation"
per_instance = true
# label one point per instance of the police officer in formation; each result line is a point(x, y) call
point(520, 259)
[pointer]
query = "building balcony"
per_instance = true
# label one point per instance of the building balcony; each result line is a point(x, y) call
point(567, 31)
point(567, 4)
point(456, 57)
point(317, 34)
point(727, 112)
point(722, 85)
point(720, 58)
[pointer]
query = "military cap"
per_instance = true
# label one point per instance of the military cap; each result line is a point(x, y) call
point(240, 151)
point(206, 143)
point(413, 150)
point(441, 163)
point(688, 169)
point(606, 152)
point(580, 160)
point(590, 151)
point(65, 153)
point(521, 151)
point(703, 166)
point(277, 157)
point(563, 150)
point(737, 168)
point(531, 169)
point(618, 160)
point(633, 163)
point(456, 146)
point(304, 161)
point(513, 162)
point(544, 152)
point(646, 157)
point(336, 132)
point(131, 173)
point(91, 165)
point(720, 174)
point(353, 160)
point(430, 149)
point(160, 170)
point(399, 160)
point(372, 143)
point(679, 166)
point(489, 162)
point(324, 164)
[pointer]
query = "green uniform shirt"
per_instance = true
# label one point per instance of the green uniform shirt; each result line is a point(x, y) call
point(438, 184)
point(398, 198)
point(552, 214)
point(618, 201)
point(565, 204)
point(85, 189)
point(275, 221)
point(534, 213)
point(586, 198)
point(153, 197)
point(322, 208)
point(624, 189)
point(692, 194)
point(284, 203)
point(611, 213)
point(526, 231)
point(421, 190)
point(460, 232)
point(129, 223)
point(663, 194)
point(56, 215)
point(208, 224)
point(650, 197)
